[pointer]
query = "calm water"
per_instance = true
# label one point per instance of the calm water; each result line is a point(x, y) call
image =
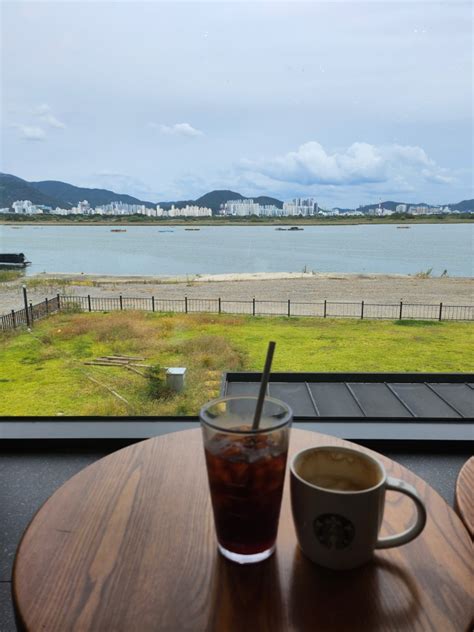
point(144, 250)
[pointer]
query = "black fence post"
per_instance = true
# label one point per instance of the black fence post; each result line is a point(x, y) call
point(46, 304)
point(220, 305)
point(121, 301)
point(253, 306)
point(25, 300)
point(59, 301)
point(89, 304)
point(14, 319)
point(362, 310)
point(401, 310)
point(152, 303)
point(289, 308)
point(440, 311)
point(325, 308)
point(185, 304)
point(31, 314)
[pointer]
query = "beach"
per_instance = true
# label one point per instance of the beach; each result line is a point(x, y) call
point(299, 287)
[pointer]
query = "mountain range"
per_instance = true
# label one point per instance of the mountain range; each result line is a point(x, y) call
point(54, 193)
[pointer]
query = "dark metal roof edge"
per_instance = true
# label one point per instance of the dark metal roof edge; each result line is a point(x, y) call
point(195, 419)
point(381, 420)
point(255, 376)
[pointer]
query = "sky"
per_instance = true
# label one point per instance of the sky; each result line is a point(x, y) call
point(346, 102)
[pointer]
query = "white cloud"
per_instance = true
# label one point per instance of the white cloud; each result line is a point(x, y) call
point(52, 121)
point(312, 164)
point(45, 114)
point(30, 132)
point(360, 164)
point(178, 129)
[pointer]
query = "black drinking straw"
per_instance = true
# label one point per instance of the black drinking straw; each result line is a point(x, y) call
point(263, 385)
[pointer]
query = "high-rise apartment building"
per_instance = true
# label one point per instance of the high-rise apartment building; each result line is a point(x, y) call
point(242, 208)
point(301, 206)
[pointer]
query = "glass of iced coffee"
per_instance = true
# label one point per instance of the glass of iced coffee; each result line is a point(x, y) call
point(246, 468)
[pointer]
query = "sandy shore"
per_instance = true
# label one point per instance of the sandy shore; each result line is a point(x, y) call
point(372, 288)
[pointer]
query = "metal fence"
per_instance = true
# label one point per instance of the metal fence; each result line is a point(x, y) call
point(253, 307)
point(29, 314)
point(289, 308)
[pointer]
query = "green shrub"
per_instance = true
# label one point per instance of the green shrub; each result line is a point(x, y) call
point(156, 385)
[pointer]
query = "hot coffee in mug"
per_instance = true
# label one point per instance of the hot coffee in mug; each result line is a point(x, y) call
point(337, 498)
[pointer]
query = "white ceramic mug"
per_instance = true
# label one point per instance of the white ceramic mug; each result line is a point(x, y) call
point(337, 499)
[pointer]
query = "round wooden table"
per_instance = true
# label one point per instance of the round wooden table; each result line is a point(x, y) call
point(128, 545)
point(464, 499)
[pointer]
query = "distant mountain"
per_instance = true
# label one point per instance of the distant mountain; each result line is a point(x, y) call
point(214, 199)
point(391, 206)
point(177, 203)
point(71, 195)
point(464, 206)
point(265, 200)
point(13, 189)
point(54, 193)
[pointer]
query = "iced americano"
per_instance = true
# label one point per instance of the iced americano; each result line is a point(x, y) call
point(246, 473)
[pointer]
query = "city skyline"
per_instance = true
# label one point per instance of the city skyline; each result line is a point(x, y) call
point(168, 101)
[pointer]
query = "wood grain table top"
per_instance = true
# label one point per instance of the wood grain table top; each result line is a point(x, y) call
point(465, 495)
point(128, 544)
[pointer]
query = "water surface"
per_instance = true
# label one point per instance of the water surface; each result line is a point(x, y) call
point(144, 250)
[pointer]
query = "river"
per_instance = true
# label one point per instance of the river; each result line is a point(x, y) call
point(166, 250)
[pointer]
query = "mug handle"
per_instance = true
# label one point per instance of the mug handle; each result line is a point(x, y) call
point(412, 532)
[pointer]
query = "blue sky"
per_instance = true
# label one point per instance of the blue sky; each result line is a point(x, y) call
point(346, 102)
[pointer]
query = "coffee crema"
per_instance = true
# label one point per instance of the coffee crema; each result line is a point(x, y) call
point(338, 483)
point(338, 470)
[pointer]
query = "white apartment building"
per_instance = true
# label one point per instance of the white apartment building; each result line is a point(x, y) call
point(149, 212)
point(186, 211)
point(84, 208)
point(247, 207)
point(419, 210)
point(300, 206)
point(270, 210)
point(401, 208)
point(241, 208)
point(25, 207)
point(121, 208)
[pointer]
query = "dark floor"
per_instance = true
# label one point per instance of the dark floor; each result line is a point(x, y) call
point(28, 478)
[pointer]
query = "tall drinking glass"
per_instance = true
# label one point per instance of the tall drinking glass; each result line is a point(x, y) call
point(246, 470)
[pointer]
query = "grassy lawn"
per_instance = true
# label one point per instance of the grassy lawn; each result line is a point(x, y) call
point(43, 372)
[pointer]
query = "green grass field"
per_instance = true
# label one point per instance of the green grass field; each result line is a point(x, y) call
point(43, 372)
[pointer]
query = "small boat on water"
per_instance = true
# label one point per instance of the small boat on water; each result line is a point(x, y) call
point(192, 229)
point(13, 260)
point(406, 227)
point(296, 228)
point(118, 230)
point(280, 228)
point(166, 231)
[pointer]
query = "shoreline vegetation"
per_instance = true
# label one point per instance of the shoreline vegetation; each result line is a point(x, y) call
point(140, 220)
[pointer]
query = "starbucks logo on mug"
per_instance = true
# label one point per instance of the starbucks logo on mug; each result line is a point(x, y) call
point(333, 531)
